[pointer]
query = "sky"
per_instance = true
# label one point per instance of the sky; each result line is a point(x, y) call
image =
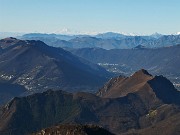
point(90, 16)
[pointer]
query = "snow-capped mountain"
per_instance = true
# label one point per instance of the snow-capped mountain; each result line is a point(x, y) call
point(177, 33)
point(156, 35)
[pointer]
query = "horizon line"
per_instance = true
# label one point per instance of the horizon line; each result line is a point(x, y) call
point(88, 33)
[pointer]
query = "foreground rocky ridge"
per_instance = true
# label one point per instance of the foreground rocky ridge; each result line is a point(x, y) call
point(146, 102)
point(74, 130)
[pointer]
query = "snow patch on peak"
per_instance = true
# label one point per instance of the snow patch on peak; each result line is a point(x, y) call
point(177, 33)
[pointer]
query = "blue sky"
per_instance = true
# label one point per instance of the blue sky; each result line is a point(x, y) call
point(90, 16)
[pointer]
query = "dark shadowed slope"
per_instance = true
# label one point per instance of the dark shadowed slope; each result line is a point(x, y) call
point(39, 67)
point(8, 91)
point(32, 113)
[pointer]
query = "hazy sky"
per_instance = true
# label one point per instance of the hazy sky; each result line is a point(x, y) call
point(89, 16)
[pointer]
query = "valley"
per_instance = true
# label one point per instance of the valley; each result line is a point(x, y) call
point(158, 61)
point(87, 90)
point(89, 67)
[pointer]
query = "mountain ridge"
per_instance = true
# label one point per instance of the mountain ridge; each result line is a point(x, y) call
point(39, 67)
point(135, 110)
point(107, 40)
point(141, 80)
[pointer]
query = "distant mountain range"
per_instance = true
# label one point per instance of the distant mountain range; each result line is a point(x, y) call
point(139, 104)
point(39, 67)
point(165, 60)
point(108, 40)
point(46, 89)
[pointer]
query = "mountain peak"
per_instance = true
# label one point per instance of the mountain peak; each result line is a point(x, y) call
point(6, 42)
point(177, 33)
point(120, 87)
point(142, 72)
point(152, 90)
point(156, 35)
point(9, 40)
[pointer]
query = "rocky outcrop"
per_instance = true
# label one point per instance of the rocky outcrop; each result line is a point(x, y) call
point(74, 130)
